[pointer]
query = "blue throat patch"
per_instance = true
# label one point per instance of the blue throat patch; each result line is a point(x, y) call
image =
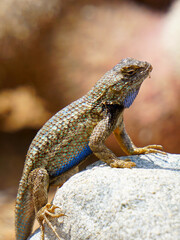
point(130, 98)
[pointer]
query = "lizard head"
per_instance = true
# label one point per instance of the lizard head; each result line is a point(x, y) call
point(124, 81)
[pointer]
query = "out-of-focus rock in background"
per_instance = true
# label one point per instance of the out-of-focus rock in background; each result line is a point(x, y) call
point(171, 36)
point(52, 52)
point(160, 5)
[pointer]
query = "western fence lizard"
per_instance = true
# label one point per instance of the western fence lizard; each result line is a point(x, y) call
point(73, 134)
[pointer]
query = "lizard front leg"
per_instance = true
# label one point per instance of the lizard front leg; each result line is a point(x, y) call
point(96, 142)
point(129, 148)
point(38, 186)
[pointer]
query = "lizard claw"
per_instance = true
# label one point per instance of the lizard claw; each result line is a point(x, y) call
point(50, 211)
point(42, 216)
point(149, 149)
point(118, 163)
point(159, 147)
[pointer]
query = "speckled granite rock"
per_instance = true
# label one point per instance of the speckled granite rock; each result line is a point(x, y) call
point(103, 203)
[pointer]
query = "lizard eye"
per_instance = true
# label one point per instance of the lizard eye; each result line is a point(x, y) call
point(129, 71)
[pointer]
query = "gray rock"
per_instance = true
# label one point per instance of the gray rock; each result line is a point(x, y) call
point(104, 203)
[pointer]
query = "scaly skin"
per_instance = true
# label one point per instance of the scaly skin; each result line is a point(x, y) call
point(74, 133)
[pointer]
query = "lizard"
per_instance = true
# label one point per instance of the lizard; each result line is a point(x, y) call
point(74, 133)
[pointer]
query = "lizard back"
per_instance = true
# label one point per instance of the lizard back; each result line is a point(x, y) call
point(63, 141)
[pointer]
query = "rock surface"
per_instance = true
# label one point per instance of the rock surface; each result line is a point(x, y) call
point(106, 203)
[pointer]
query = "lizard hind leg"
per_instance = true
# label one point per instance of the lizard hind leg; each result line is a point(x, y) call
point(39, 184)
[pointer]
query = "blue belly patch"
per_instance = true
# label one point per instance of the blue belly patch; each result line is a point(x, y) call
point(86, 151)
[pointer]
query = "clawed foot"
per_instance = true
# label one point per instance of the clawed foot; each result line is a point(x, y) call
point(42, 216)
point(149, 149)
point(122, 163)
point(118, 163)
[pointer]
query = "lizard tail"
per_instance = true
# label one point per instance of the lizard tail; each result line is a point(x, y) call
point(24, 212)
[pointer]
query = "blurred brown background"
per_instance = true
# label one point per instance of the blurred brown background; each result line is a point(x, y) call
point(52, 52)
